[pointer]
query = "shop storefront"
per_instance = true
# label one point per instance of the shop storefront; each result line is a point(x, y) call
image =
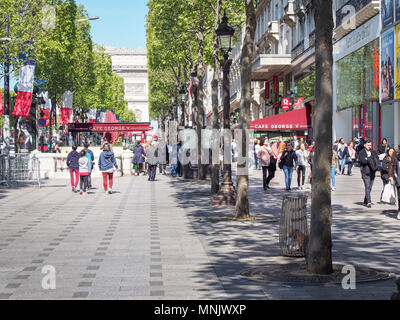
point(357, 109)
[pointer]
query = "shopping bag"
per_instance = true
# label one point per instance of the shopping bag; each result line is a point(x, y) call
point(389, 194)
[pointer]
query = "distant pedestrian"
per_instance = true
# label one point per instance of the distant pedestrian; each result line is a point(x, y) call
point(264, 156)
point(256, 149)
point(295, 142)
point(334, 166)
point(382, 150)
point(301, 161)
point(175, 151)
point(152, 161)
point(138, 158)
point(310, 160)
point(369, 163)
point(73, 165)
point(350, 157)
point(107, 163)
point(85, 165)
point(281, 146)
point(341, 147)
point(288, 161)
point(90, 155)
point(390, 174)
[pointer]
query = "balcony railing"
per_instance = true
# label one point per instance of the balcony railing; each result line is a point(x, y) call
point(298, 50)
point(356, 4)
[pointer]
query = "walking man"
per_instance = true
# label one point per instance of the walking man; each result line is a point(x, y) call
point(73, 165)
point(369, 163)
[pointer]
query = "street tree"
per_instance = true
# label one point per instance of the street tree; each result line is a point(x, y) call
point(242, 210)
point(320, 242)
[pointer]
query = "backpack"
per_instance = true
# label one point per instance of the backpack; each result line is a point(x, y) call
point(89, 155)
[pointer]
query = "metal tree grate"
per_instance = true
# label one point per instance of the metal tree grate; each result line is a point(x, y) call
point(293, 232)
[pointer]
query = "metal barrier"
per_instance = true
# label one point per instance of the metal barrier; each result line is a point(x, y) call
point(19, 168)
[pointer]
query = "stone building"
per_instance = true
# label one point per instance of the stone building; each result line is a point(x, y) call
point(131, 65)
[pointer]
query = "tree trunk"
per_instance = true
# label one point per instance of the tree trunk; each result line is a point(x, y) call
point(320, 242)
point(242, 210)
point(215, 174)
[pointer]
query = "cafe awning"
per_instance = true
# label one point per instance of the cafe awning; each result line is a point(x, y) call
point(292, 120)
point(109, 127)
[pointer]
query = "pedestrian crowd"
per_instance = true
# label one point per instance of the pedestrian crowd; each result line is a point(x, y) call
point(294, 155)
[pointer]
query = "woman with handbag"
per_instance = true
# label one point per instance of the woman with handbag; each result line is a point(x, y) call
point(350, 157)
point(390, 179)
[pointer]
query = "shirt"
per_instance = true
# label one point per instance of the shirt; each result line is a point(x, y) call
point(301, 157)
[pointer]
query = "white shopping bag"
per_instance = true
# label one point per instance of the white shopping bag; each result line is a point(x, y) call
point(389, 194)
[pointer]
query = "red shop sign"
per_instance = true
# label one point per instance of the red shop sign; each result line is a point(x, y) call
point(285, 103)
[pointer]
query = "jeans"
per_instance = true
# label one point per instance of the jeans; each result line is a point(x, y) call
point(267, 179)
point(174, 169)
point(342, 165)
point(256, 161)
point(333, 173)
point(152, 172)
point(288, 176)
point(301, 173)
point(368, 183)
point(84, 183)
point(349, 167)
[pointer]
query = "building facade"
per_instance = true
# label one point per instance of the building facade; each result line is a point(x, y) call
point(131, 65)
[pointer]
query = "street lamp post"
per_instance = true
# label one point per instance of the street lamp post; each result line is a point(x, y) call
point(227, 193)
point(182, 94)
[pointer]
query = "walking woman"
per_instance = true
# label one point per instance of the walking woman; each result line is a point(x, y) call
point(107, 163)
point(310, 160)
point(335, 164)
point(382, 150)
point(138, 158)
point(264, 156)
point(390, 177)
point(73, 165)
point(301, 156)
point(288, 161)
point(350, 157)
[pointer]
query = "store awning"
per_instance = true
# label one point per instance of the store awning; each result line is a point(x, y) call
point(291, 120)
point(109, 127)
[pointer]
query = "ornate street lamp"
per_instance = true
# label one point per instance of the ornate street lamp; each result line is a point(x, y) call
point(227, 193)
point(182, 94)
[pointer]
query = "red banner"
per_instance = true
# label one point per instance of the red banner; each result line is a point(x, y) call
point(22, 104)
point(1, 105)
point(66, 114)
point(46, 116)
point(275, 81)
point(267, 90)
point(285, 103)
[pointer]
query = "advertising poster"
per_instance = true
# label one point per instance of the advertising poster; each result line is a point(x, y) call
point(397, 62)
point(387, 66)
point(387, 12)
point(397, 6)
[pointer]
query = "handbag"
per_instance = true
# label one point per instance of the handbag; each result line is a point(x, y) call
point(348, 160)
point(382, 156)
point(389, 194)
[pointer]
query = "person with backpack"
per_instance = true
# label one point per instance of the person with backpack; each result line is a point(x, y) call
point(369, 163)
point(85, 165)
point(90, 156)
point(107, 163)
point(73, 165)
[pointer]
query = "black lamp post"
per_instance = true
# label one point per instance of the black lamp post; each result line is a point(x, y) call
point(182, 94)
point(227, 192)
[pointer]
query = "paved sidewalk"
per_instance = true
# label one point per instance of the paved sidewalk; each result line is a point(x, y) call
point(157, 240)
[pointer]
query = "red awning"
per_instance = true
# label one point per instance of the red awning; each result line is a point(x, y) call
point(291, 120)
point(109, 127)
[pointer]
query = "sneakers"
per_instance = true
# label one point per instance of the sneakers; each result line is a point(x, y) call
point(81, 192)
point(369, 205)
point(333, 188)
point(106, 192)
point(110, 191)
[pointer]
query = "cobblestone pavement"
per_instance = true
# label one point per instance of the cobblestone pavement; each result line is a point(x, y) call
point(160, 240)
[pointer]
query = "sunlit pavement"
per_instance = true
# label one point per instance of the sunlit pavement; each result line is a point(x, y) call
point(163, 240)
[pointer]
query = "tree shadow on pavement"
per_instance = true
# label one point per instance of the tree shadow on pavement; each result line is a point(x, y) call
point(359, 237)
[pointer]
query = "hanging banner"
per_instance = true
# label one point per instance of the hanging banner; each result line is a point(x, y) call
point(275, 81)
point(267, 90)
point(397, 62)
point(46, 108)
point(25, 91)
point(387, 56)
point(387, 12)
point(1, 105)
point(92, 115)
point(66, 110)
